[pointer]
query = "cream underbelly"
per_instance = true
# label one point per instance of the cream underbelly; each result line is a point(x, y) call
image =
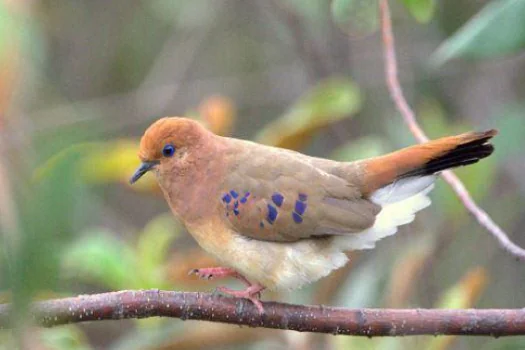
point(284, 265)
point(273, 264)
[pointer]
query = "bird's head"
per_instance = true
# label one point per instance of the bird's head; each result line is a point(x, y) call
point(170, 145)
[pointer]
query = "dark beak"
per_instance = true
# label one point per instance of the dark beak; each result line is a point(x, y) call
point(143, 169)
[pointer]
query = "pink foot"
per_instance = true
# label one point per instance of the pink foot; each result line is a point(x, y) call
point(219, 272)
point(252, 293)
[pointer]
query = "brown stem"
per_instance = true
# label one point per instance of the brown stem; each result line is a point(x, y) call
point(409, 117)
point(302, 318)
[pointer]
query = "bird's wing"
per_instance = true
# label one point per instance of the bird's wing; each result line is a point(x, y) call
point(276, 195)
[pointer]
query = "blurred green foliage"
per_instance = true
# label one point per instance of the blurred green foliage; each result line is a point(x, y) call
point(360, 17)
point(91, 76)
point(102, 259)
point(328, 102)
point(364, 147)
point(422, 10)
point(356, 17)
point(497, 30)
point(52, 204)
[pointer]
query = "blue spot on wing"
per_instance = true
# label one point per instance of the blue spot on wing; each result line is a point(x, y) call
point(303, 197)
point(245, 197)
point(272, 214)
point(300, 207)
point(236, 204)
point(297, 218)
point(226, 198)
point(277, 199)
point(234, 194)
point(236, 211)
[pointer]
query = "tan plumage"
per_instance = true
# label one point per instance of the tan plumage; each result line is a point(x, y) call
point(281, 218)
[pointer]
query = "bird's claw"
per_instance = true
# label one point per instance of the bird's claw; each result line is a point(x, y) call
point(201, 274)
point(252, 293)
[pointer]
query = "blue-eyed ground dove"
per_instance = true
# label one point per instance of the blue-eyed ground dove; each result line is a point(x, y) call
point(279, 218)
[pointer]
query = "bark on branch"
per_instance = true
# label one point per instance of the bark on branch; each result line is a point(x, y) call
point(302, 318)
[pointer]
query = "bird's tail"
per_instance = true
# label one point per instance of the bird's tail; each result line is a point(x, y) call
point(400, 181)
point(427, 159)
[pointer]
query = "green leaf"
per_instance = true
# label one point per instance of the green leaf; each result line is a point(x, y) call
point(356, 17)
point(330, 101)
point(494, 31)
point(101, 258)
point(422, 10)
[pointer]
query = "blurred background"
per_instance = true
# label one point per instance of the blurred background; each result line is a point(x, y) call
point(81, 80)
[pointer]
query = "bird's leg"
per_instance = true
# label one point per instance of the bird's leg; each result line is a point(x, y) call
point(252, 293)
point(219, 272)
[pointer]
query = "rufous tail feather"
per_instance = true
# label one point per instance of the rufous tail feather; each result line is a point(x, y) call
point(426, 159)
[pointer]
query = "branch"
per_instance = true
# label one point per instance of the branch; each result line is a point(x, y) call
point(409, 117)
point(302, 318)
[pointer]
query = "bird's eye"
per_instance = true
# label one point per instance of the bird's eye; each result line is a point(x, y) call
point(168, 151)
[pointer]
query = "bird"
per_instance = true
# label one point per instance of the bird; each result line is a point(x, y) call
point(280, 219)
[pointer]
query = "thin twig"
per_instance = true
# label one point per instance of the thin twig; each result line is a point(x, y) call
point(408, 115)
point(302, 318)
